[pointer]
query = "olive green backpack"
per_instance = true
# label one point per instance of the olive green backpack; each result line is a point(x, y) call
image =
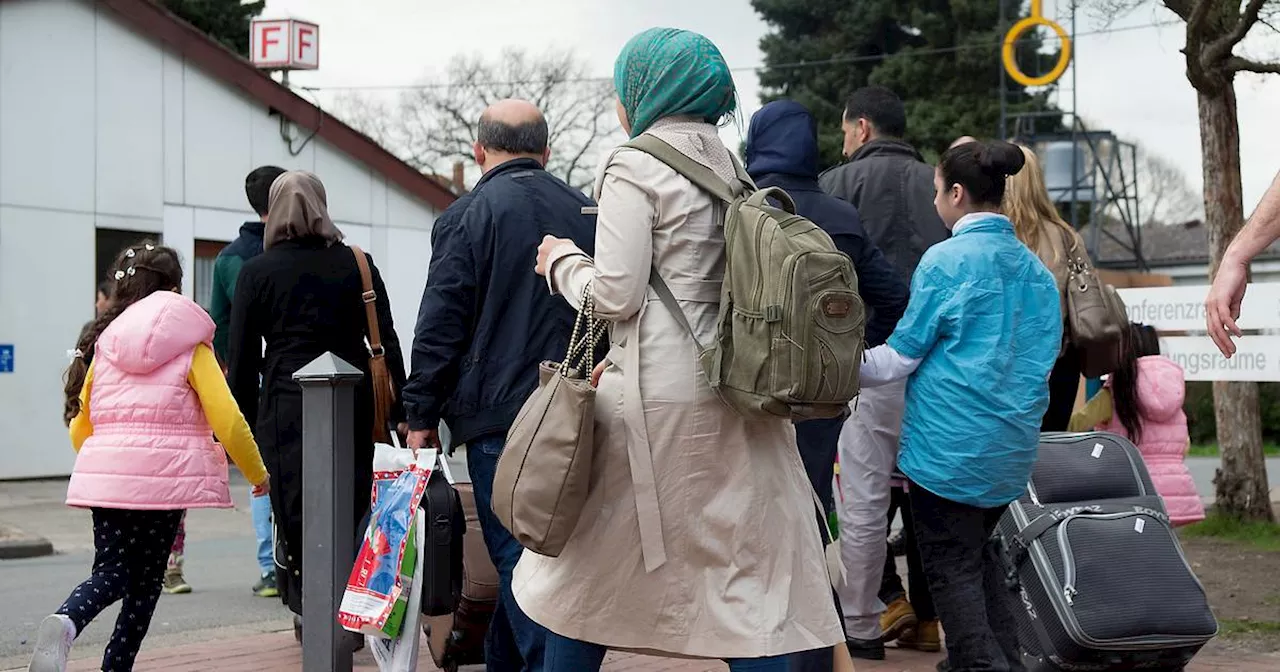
point(789, 337)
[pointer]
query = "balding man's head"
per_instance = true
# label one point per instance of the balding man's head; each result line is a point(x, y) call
point(511, 129)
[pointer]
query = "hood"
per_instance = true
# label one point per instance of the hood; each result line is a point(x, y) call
point(154, 331)
point(783, 138)
point(1162, 388)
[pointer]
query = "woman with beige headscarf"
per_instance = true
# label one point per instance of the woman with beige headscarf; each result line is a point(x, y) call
point(302, 295)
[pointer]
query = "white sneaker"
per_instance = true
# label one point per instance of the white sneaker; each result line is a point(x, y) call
point(53, 645)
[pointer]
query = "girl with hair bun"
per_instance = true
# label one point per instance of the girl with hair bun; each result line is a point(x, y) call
point(981, 333)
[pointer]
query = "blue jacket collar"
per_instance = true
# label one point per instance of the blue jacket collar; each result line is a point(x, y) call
point(982, 222)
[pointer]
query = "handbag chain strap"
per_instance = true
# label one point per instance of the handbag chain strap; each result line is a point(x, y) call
point(582, 346)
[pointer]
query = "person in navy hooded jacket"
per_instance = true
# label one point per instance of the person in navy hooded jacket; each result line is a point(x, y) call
point(782, 151)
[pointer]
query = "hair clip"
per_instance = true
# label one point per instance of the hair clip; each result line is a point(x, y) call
point(131, 271)
point(75, 354)
point(129, 253)
point(119, 275)
point(150, 247)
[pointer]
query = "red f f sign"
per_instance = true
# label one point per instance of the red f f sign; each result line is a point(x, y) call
point(267, 40)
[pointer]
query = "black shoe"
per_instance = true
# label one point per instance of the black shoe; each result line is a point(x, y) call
point(865, 649)
point(943, 666)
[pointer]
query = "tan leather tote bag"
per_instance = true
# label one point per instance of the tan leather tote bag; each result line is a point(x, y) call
point(545, 469)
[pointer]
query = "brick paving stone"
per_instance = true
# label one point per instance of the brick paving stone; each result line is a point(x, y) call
point(277, 652)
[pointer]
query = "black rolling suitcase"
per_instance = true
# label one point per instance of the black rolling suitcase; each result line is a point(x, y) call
point(1093, 563)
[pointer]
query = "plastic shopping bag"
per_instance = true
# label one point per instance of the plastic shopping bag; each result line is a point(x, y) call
point(376, 599)
point(401, 653)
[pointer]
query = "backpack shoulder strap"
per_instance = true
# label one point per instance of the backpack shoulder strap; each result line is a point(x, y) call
point(705, 178)
point(669, 300)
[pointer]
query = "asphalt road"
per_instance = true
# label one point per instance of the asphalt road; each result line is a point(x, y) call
point(1203, 469)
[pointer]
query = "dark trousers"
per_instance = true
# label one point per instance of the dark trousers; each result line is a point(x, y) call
point(1064, 383)
point(819, 443)
point(891, 587)
point(967, 580)
point(131, 550)
point(513, 637)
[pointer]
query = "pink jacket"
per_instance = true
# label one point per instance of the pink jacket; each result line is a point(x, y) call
point(151, 447)
point(1161, 392)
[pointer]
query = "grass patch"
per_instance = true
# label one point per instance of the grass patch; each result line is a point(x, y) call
point(1261, 535)
point(1211, 450)
point(1228, 627)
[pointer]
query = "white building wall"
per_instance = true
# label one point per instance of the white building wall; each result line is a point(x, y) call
point(101, 127)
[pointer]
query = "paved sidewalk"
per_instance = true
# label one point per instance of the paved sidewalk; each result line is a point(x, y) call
point(277, 652)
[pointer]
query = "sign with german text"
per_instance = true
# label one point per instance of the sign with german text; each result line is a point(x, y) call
point(1257, 358)
point(1182, 308)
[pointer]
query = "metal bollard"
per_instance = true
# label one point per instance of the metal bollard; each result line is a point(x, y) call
point(328, 536)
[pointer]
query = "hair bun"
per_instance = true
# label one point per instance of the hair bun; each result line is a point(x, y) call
point(1001, 158)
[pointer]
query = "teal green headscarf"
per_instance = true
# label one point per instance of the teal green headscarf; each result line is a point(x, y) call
point(665, 72)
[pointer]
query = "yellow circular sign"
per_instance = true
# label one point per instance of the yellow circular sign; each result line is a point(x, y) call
point(1011, 39)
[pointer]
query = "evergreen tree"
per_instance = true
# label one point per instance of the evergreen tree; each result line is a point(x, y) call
point(226, 21)
point(941, 56)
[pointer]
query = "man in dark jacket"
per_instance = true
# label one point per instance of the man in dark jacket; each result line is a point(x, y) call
point(485, 323)
point(886, 179)
point(892, 188)
point(226, 269)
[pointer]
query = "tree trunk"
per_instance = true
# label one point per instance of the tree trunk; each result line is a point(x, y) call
point(1241, 488)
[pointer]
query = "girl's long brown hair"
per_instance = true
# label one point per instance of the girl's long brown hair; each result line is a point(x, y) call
point(1028, 206)
point(138, 272)
point(1138, 341)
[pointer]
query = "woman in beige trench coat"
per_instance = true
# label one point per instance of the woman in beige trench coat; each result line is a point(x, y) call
point(700, 536)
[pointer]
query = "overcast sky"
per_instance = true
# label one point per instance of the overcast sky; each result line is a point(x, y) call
point(1129, 81)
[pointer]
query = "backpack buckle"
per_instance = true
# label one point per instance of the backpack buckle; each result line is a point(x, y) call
point(773, 314)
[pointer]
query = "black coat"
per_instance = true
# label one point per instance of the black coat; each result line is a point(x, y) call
point(303, 299)
point(486, 319)
point(892, 188)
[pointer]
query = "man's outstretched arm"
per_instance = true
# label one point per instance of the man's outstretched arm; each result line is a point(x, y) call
point(1223, 304)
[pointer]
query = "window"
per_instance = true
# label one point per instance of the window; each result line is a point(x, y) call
point(108, 244)
point(202, 270)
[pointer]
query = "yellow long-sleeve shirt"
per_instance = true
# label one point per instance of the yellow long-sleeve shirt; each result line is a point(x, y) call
point(1099, 410)
point(205, 377)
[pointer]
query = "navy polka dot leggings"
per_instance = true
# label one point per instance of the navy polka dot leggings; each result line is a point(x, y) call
point(132, 549)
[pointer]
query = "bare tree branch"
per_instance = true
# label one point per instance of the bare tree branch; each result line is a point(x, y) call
point(1199, 13)
point(1238, 64)
point(436, 125)
point(1222, 46)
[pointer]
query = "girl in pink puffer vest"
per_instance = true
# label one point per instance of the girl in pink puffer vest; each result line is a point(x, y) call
point(143, 413)
point(1143, 401)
